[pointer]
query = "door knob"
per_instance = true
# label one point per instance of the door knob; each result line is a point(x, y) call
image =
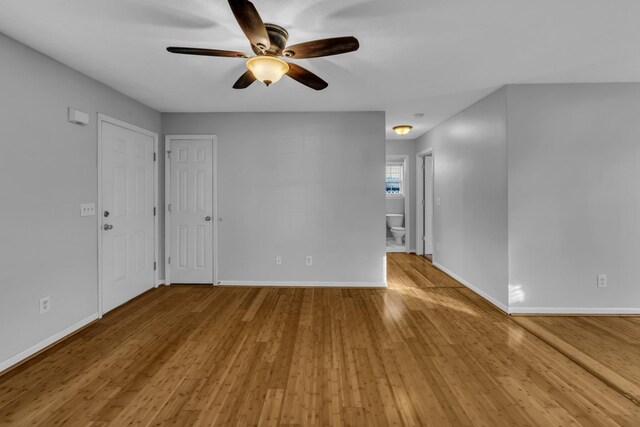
point(207, 218)
point(107, 227)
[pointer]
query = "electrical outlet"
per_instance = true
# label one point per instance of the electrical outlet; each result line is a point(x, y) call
point(45, 304)
point(87, 209)
point(278, 260)
point(437, 201)
point(309, 260)
point(602, 280)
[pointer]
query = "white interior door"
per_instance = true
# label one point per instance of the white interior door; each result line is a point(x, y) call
point(428, 205)
point(191, 210)
point(127, 216)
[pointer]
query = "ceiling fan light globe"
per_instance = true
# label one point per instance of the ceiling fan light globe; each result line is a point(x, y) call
point(267, 69)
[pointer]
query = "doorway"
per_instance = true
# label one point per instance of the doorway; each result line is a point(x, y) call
point(191, 209)
point(127, 186)
point(398, 196)
point(425, 191)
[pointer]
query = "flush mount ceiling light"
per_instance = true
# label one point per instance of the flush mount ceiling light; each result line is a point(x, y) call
point(402, 129)
point(267, 69)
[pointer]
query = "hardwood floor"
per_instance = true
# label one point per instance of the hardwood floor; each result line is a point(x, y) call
point(426, 351)
point(608, 347)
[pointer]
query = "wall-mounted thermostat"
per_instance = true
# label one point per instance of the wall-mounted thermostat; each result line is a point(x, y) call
point(78, 117)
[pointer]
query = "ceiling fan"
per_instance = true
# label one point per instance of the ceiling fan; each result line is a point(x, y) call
point(268, 42)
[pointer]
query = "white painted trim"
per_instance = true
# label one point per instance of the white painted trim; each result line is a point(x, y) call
point(483, 294)
point(47, 342)
point(419, 191)
point(167, 201)
point(160, 282)
point(304, 284)
point(156, 225)
point(406, 195)
point(573, 310)
point(167, 214)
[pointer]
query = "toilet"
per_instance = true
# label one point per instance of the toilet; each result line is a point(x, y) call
point(395, 222)
point(398, 234)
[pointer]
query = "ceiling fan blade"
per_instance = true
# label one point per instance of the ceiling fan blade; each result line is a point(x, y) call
point(251, 23)
point(306, 77)
point(324, 47)
point(245, 80)
point(207, 52)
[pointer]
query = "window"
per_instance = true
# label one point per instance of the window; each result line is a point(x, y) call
point(394, 173)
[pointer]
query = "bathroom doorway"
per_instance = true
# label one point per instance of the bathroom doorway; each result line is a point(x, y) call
point(398, 197)
point(425, 193)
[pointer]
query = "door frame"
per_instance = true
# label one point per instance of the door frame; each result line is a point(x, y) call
point(406, 193)
point(419, 194)
point(103, 118)
point(167, 202)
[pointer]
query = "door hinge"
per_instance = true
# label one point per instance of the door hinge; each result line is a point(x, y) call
point(423, 203)
point(154, 157)
point(154, 211)
point(169, 260)
point(169, 207)
point(155, 266)
point(169, 154)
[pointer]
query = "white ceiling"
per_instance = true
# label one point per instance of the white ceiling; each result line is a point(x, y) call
point(417, 56)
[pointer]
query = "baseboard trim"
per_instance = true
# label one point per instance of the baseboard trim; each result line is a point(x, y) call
point(304, 284)
point(574, 311)
point(160, 282)
point(33, 351)
point(502, 307)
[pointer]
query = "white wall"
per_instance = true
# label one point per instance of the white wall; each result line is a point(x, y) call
point(396, 205)
point(470, 167)
point(48, 168)
point(574, 197)
point(297, 184)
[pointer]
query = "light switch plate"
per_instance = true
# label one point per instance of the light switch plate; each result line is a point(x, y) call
point(87, 209)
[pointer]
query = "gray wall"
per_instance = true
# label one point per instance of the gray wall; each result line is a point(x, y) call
point(297, 184)
point(574, 197)
point(470, 225)
point(48, 168)
point(396, 205)
point(423, 143)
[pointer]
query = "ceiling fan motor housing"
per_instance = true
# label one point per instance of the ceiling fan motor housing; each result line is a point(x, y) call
point(278, 37)
point(266, 66)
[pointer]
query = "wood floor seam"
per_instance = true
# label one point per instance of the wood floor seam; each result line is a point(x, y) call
point(606, 379)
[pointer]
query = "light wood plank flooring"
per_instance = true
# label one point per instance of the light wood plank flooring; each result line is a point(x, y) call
point(608, 347)
point(426, 351)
